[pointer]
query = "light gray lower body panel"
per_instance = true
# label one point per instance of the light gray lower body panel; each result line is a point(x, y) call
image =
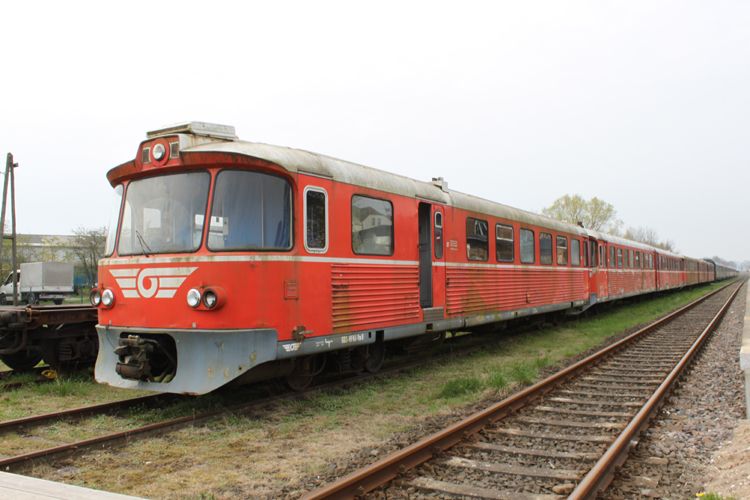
point(206, 359)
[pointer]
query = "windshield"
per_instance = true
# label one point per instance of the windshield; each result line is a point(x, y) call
point(164, 214)
point(250, 211)
point(114, 214)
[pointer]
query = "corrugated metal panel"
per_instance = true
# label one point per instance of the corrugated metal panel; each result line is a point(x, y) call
point(368, 294)
point(476, 290)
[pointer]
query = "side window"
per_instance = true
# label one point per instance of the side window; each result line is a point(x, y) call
point(504, 243)
point(631, 262)
point(612, 260)
point(619, 258)
point(625, 257)
point(562, 251)
point(637, 260)
point(575, 252)
point(527, 246)
point(438, 235)
point(602, 256)
point(316, 219)
point(372, 226)
point(477, 239)
point(545, 248)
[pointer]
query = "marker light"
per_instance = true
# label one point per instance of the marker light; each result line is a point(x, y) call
point(95, 297)
point(209, 299)
point(159, 152)
point(194, 297)
point(108, 298)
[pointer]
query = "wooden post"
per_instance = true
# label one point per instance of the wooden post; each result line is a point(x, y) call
point(9, 168)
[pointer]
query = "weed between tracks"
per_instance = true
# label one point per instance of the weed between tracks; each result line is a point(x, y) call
point(259, 453)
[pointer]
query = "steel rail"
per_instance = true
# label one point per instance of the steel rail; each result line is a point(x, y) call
point(599, 477)
point(391, 466)
point(75, 414)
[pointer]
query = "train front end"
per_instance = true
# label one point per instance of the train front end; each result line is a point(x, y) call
point(191, 292)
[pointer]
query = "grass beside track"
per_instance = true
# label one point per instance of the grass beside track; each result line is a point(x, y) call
point(255, 454)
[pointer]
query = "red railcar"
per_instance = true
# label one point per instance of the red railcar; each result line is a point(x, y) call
point(670, 270)
point(230, 261)
point(626, 270)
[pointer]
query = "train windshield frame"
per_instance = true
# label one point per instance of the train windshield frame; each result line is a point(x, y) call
point(164, 214)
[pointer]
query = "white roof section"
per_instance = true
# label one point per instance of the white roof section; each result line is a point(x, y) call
point(304, 162)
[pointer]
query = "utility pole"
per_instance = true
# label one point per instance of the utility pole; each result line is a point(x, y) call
point(9, 168)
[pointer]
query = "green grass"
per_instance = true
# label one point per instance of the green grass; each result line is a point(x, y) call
point(715, 496)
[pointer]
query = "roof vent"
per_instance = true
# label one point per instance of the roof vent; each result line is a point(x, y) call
point(225, 132)
point(439, 182)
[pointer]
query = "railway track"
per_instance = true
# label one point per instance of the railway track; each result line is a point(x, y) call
point(119, 439)
point(562, 437)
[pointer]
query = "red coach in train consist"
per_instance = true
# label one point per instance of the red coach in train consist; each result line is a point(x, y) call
point(229, 262)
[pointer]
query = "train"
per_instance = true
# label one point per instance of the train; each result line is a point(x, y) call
point(229, 262)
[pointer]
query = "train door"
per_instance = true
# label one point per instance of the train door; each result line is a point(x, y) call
point(425, 255)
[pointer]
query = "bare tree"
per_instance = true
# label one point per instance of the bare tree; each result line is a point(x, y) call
point(87, 246)
point(595, 214)
point(24, 253)
point(641, 234)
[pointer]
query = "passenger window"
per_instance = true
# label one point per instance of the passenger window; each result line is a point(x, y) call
point(372, 226)
point(619, 258)
point(627, 262)
point(545, 248)
point(575, 252)
point(562, 251)
point(631, 262)
point(637, 260)
point(477, 239)
point(504, 243)
point(602, 256)
point(316, 220)
point(612, 260)
point(527, 246)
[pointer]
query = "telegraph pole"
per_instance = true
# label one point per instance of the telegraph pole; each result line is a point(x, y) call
point(9, 175)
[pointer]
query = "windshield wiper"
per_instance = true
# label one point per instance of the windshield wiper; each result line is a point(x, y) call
point(143, 243)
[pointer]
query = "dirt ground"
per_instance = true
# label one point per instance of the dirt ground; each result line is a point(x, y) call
point(730, 466)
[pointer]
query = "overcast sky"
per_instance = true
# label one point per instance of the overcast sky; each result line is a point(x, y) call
point(643, 104)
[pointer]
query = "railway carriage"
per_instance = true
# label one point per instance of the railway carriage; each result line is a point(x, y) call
point(670, 272)
point(229, 262)
point(629, 269)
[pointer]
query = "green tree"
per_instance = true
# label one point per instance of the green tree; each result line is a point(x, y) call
point(594, 214)
point(87, 247)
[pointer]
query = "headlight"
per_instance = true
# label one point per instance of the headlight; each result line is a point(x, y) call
point(95, 297)
point(158, 152)
point(209, 299)
point(108, 298)
point(194, 297)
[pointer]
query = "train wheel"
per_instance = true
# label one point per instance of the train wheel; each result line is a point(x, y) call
point(50, 353)
point(375, 357)
point(21, 360)
point(305, 370)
